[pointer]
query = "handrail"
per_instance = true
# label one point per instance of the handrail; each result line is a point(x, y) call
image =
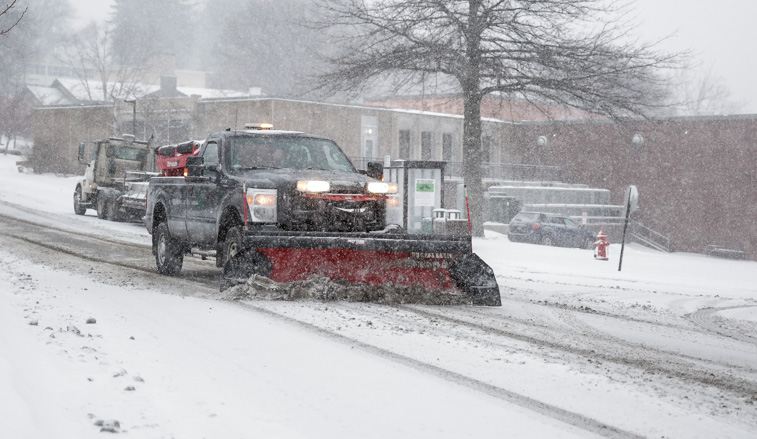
point(650, 237)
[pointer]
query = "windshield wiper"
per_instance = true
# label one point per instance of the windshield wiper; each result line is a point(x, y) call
point(253, 168)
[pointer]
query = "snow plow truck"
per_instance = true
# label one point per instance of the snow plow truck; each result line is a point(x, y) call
point(287, 205)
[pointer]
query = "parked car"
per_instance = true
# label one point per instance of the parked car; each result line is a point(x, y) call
point(549, 229)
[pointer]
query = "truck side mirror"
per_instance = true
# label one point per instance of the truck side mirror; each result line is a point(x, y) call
point(375, 170)
point(195, 166)
point(81, 153)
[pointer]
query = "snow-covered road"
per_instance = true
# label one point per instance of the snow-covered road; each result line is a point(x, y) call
point(666, 348)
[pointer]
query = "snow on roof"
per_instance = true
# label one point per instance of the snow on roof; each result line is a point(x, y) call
point(212, 93)
point(92, 91)
point(49, 96)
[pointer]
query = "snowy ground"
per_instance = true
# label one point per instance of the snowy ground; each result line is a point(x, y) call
point(577, 346)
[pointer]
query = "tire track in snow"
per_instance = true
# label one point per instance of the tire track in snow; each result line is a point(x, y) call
point(568, 417)
point(580, 421)
point(705, 319)
point(685, 367)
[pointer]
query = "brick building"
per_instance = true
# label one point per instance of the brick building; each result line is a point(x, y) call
point(697, 177)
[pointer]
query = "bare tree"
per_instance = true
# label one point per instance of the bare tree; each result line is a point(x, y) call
point(14, 20)
point(9, 104)
point(104, 73)
point(699, 91)
point(573, 53)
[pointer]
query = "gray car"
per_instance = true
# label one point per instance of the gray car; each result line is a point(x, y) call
point(549, 229)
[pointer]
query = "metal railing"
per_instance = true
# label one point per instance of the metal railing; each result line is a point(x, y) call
point(646, 236)
point(495, 171)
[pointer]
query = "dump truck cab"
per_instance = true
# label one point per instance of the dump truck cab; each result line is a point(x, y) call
point(115, 167)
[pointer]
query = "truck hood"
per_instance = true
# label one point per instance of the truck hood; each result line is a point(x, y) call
point(341, 182)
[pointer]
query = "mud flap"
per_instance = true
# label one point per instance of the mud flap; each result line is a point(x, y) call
point(242, 266)
point(476, 278)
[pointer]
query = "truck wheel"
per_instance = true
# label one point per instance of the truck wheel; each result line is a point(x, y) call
point(232, 245)
point(102, 205)
point(78, 208)
point(113, 209)
point(168, 254)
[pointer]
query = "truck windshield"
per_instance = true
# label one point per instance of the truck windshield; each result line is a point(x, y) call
point(273, 152)
point(127, 153)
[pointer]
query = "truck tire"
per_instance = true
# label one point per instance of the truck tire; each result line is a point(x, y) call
point(113, 209)
point(78, 208)
point(168, 253)
point(102, 205)
point(232, 245)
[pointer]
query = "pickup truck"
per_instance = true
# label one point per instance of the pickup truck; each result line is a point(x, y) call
point(287, 205)
point(259, 180)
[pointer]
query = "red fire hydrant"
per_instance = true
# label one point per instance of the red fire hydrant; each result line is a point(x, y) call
point(600, 246)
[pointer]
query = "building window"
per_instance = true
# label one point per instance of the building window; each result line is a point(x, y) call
point(486, 149)
point(426, 145)
point(369, 136)
point(447, 147)
point(405, 141)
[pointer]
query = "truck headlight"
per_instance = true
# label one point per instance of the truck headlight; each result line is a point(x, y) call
point(262, 205)
point(313, 186)
point(379, 187)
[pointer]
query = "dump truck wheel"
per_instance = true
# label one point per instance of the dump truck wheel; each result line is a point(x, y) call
point(78, 208)
point(102, 206)
point(113, 209)
point(168, 254)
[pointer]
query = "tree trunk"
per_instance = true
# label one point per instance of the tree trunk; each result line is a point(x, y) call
point(472, 159)
point(471, 86)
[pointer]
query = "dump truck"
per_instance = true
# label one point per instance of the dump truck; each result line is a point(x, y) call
point(118, 171)
point(115, 180)
point(287, 205)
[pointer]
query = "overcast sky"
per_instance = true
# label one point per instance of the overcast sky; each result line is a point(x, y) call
point(721, 34)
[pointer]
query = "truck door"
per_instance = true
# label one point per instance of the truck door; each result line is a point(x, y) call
point(203, 202)
point(176, 191)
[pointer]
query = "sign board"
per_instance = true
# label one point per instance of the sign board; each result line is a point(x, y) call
point(630, 201)
point(425, 192)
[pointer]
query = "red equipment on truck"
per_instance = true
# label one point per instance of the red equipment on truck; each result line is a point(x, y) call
point(172, 159)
